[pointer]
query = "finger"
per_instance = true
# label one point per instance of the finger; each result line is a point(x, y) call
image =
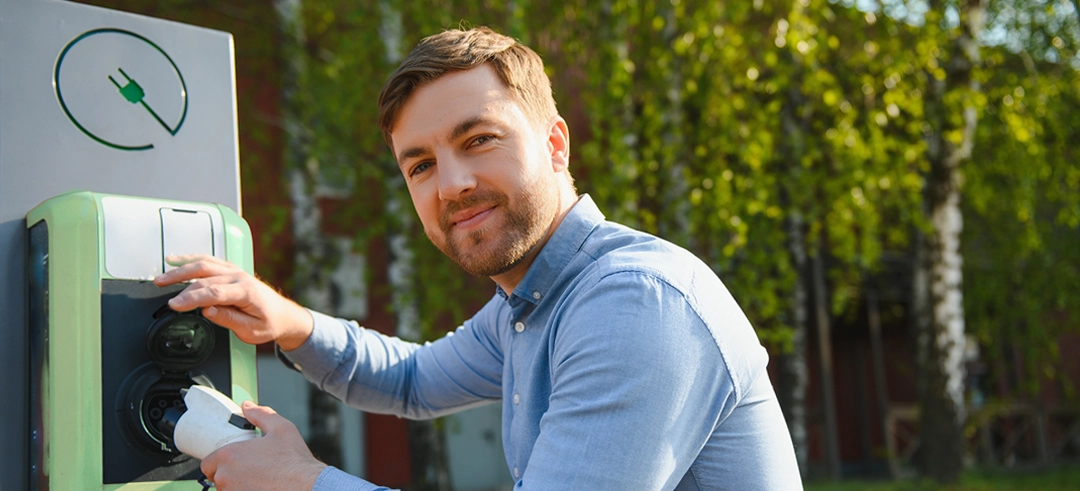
point(209, 466)
point(196, 270)
point(220, 315)
point(264, 417)
point(207, 267)
point(186, 299)
point(212, 280)
point(244, 325)
point(207, 282)
point(182, 259)
point(208, 295)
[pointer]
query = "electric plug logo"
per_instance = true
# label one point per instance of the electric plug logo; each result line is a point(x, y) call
point(135, 95)
point(132, 92)
point(103, 110)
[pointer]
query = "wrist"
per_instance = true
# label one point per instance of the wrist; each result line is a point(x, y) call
point(303, 325)
point(309, 475)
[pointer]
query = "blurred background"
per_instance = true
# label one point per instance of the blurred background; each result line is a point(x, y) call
point(889, 188)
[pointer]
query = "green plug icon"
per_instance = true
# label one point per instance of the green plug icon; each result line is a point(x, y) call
point(132, 91)
point(134, 94)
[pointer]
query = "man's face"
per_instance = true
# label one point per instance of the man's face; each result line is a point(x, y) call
point(481, 176)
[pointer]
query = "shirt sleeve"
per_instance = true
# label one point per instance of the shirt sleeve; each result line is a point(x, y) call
point(638, 387)
point(334, 479)
point(384, 374)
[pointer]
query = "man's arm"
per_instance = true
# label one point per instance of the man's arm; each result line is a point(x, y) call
point(638, 387)
point(359, 366)
point(384, 374)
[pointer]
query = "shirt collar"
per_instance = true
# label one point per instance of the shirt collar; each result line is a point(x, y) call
point(557, 252)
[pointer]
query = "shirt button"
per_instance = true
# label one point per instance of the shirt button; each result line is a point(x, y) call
point(516, 473)
point(536, 295)
point(519, 327)
point(517, 399)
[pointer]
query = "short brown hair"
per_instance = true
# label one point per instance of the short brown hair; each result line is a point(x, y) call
point(519, 67)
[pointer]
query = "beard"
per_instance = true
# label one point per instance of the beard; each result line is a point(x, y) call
point(493, 250)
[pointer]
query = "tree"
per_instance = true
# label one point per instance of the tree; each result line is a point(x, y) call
point(953, 106)
point(788, 144)
point(1022, 239)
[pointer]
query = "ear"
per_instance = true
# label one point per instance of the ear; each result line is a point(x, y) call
point(559, 144)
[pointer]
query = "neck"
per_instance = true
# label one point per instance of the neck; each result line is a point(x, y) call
point(509, 280)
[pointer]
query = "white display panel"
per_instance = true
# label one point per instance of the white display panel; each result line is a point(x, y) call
point(185, 232)
point(140, 233)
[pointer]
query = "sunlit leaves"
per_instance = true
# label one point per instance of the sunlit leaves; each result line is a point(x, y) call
point(711, 122)
point(1022, 245)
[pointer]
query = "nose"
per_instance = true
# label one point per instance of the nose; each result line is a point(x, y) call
point(456, 177)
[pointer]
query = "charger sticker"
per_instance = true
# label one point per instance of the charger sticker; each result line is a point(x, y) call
point(120, 89)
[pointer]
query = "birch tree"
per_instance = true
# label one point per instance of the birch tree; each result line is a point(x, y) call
point(953, 105)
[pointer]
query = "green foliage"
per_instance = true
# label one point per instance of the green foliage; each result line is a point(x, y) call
point(1063, 479)
point(712, 124)
point(1023, 233)
point(761, 110)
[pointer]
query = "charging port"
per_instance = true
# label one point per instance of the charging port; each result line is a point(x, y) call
point(155, 408)
point(149, 401)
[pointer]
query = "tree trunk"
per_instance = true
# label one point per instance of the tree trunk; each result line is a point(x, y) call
point(795, 120)
point(795, 368)
point(942, 414)
point(824, 338)
point(877, 354)
point(943, 411)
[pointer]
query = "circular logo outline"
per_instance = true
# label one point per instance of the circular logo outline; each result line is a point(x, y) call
point(63, 105)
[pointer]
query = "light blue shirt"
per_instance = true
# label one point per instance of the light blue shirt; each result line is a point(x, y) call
point(621, 360)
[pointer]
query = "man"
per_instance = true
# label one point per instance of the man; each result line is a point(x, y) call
point(621, 360)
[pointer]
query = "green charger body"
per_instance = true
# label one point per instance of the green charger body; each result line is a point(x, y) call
point(91, 306)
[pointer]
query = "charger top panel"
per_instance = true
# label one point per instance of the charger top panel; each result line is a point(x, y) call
point(140, 233)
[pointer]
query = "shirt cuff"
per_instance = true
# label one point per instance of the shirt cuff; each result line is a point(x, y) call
point(319, 355)
point(334, 479)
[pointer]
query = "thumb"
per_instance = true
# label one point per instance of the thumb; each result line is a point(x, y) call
point(264, 417)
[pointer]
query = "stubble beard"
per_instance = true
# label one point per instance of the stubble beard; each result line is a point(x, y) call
point(492, 250)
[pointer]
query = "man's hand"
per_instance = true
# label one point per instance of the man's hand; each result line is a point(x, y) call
point(278, 461)
point(232, 298)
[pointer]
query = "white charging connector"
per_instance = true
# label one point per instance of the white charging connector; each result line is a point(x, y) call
point(210, 422)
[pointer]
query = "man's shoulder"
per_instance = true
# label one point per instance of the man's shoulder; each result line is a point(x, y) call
point(619, 249)
point(637, 263)
point(662, 287)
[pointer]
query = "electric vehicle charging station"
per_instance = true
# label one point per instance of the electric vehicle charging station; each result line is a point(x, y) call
point(106, 352)
point(140, 114)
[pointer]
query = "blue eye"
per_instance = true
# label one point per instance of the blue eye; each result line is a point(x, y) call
point(421, 167)
point(480, 140)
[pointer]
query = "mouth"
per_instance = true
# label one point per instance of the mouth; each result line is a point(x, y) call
point(471, 217)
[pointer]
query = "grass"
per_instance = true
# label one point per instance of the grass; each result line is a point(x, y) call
point(1058, 479)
